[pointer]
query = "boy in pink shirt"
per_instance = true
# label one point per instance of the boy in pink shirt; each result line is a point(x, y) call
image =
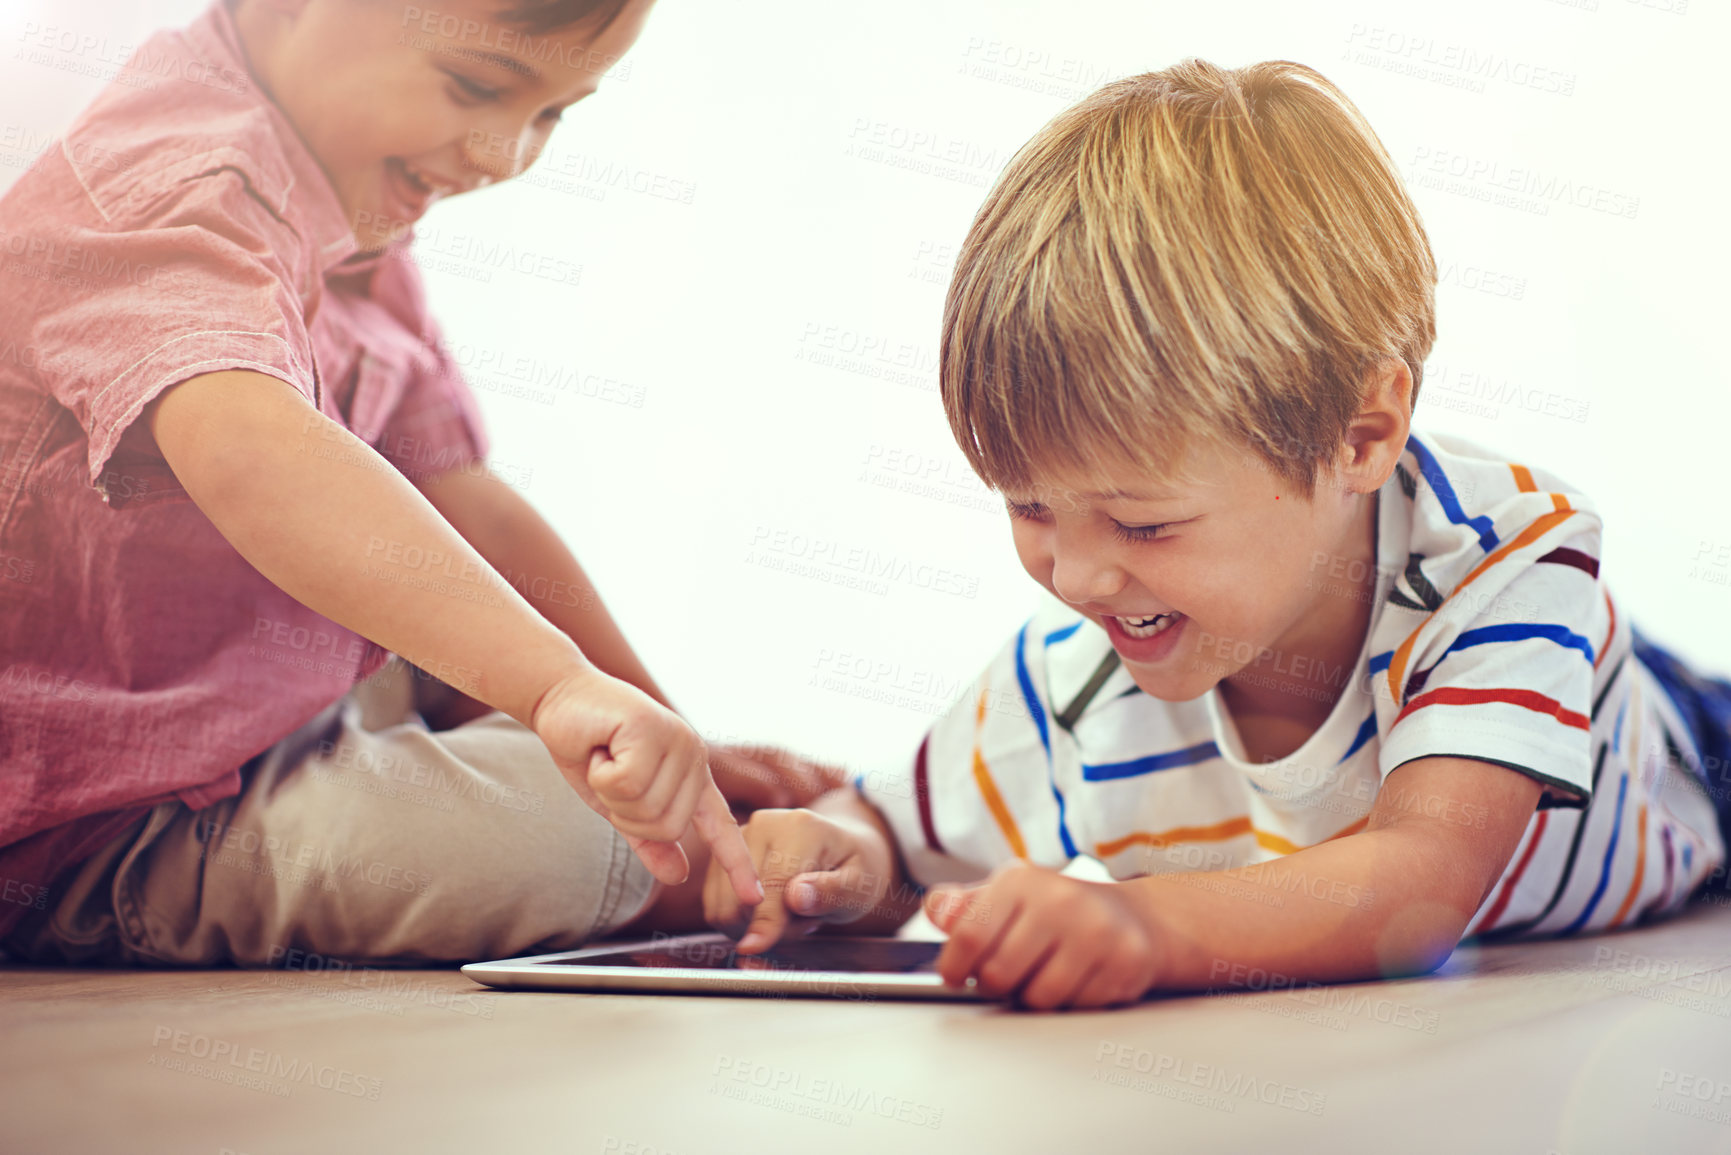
point(239, 472)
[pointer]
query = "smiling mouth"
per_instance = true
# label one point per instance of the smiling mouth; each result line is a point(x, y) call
point(419, 182)
point(1147, 627)
point(427, 188)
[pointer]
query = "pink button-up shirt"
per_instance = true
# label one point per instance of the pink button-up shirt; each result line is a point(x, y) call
point(179, 228)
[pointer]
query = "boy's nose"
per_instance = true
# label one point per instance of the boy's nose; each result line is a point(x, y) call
point(1082, 575)
point(499, 155)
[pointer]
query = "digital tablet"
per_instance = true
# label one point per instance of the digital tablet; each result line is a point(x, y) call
point(707, 964)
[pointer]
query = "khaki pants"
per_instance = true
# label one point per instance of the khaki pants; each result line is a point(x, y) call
point(364, 837)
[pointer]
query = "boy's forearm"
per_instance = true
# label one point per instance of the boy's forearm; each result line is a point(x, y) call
point(1361, 907)
point(1392, 899)
point(513, 536)
point(333, 524)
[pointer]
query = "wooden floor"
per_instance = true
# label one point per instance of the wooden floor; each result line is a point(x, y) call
point(1617, 1044)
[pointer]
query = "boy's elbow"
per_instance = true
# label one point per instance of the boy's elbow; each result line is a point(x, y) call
point(1415, 963)
point(1418, 940)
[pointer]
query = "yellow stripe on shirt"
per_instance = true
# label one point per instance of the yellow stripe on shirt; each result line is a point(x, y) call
point(1219, 832)
point(1640, 871)
point(989, 788)
point(1524, 482)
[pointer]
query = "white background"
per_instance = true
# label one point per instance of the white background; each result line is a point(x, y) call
point(797, 236)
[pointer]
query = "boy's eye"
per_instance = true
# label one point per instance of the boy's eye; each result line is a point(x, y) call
point(471, 91)
point(1136, 532)
point(1026, 510)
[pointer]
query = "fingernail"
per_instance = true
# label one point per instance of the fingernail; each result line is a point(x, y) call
point(802, 896)
point(757, 885)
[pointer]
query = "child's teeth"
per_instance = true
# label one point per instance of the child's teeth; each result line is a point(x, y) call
point(414, 178)
point(1149, 626)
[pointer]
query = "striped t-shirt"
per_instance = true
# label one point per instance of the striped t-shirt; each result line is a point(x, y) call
point(1491, 638)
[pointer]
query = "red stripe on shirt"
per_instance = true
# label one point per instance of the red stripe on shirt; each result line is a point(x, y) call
point(1610, 631)
point(1563, 555)
point(1526, 699)
point(1397, 670)
point(923, 794)
point(1495, 913)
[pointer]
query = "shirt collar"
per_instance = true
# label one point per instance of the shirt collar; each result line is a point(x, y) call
point(307, 197)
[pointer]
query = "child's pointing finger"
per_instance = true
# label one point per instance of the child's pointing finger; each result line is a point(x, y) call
point(715, 823)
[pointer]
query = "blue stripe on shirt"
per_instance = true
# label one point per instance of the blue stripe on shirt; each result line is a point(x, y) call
point(1378, 662)
point(1037, 711)
point(1445, 495)
point(1107, 771)
point(1605, 870)
point(1521, 631)
point(1365, 732)
point(1063, 634)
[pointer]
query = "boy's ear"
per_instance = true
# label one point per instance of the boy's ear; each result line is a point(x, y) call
point(1377, 436)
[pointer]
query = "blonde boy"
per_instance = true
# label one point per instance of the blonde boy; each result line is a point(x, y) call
point(1324, 695)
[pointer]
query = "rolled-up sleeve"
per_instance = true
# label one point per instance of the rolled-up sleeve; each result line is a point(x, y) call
point(204, 280)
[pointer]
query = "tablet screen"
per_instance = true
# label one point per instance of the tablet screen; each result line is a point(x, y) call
point(880, 956)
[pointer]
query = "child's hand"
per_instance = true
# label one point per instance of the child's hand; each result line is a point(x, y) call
point(638, 765)
point(767, 778)
point(1050, 940)
point(814, 869)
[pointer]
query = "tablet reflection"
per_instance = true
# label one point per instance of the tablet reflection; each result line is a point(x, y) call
point(832, 955)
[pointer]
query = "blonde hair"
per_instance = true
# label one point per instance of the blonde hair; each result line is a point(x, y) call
point(1197, 255)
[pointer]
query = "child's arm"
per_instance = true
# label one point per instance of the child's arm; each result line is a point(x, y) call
point(337, 527)
point(1390, 900)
